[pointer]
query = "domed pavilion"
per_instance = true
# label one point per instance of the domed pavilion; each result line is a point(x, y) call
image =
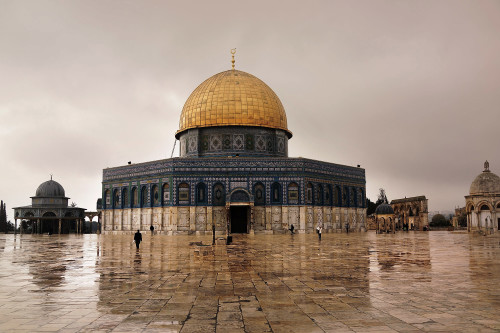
point(49, 211)
point(233, 174)
point(483, 202)
point(385, 218)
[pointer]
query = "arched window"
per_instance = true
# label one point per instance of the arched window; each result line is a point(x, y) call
point(155, 193)
point(218, 195)
point(259, 194)
point(275, 193)
point(125, 202)
point(361, 201)
point(135, 197)
point(293, 193)
point(116, 198)
point(183, 194)
point(201, 193)
point(144, 196)
point(336, 196)
point(318, 200)
point(166, 194)
point(107, 196)
point(345, 198)
point(498, 206)
point(309, 193)
point(328, 195)
point(471, 208)
point(485, 207)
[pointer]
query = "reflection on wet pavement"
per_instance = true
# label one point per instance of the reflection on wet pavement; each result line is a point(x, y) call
point(407, 282)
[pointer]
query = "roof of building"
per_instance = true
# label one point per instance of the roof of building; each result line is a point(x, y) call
point(384, 209)
point(485, 183)
point(50, 188)
point(233, 98)
point(417, 198)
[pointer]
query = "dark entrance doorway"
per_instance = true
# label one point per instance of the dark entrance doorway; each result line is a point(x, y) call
point(239, 219)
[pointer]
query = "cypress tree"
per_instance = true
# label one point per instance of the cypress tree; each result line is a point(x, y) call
point(3, 217)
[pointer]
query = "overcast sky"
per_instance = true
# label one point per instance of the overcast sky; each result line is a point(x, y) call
point(407, 89)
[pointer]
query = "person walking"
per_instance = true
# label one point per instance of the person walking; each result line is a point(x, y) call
point(152, 230)
point(291, 229)
point(137, 239)
point(320, 230)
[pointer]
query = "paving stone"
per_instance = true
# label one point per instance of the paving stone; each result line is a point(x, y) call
point(406, 282)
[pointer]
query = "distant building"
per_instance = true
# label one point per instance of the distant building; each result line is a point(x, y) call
point(483, 202)
point(412, 211)
point(233, 174)
point(49, 211)
point(384, 218)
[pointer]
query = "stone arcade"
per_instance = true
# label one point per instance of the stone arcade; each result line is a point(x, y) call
point(233, 173)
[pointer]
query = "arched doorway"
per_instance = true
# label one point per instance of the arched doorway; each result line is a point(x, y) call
point(239, 212)
point(50, 223)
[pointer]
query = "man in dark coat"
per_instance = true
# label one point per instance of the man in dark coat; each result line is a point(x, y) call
point(152, 229)
point(137, 239)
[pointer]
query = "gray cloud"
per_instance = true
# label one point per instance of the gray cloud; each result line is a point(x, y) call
point(406, 89)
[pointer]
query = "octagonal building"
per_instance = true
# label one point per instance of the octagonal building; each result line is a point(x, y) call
point(233, 173)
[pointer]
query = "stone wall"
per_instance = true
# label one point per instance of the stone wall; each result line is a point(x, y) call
point(199, 219)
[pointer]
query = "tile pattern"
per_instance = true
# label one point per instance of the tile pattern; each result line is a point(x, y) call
point(407, 282)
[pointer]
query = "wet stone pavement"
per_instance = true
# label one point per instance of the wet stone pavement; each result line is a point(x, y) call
point(407, 282)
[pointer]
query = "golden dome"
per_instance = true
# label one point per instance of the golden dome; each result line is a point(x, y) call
point(233, 98)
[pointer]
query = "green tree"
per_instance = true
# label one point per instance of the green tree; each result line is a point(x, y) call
point(439, 220)
point(4, 227)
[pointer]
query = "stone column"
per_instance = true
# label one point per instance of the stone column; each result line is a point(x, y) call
point(41, 227)
point(210, 218)
point(252, 220)
point(160, 223)
point(268, 218)
point(21, 227)
point(60, 222)
point(15, 226)
point(284, 217)
point(99, 224)
point(228, 220)
point(302, 218)
point(192, 219)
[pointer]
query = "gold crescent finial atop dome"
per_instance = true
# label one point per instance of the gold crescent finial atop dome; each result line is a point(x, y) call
point(233, 51)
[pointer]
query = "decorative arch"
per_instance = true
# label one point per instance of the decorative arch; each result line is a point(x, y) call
point(107, 199)
point(144, 196)
point(218, 195)
point(183, 197)
point(328, 195)
point(318, 199)
point(166, 194)
point(116, 198)
point(309, 193)
point(259, 191)
point(276, 193)
point(239, 195)
point(338, 196)
point(201, 193)
point(135, 197)
point(293, 193)
point(155, 196)
point(485, 207)
point(125, 199)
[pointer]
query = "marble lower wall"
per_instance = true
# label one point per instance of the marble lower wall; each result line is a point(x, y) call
point(262, 219)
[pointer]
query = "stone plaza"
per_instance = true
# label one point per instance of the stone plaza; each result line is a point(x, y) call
point(357, 282)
